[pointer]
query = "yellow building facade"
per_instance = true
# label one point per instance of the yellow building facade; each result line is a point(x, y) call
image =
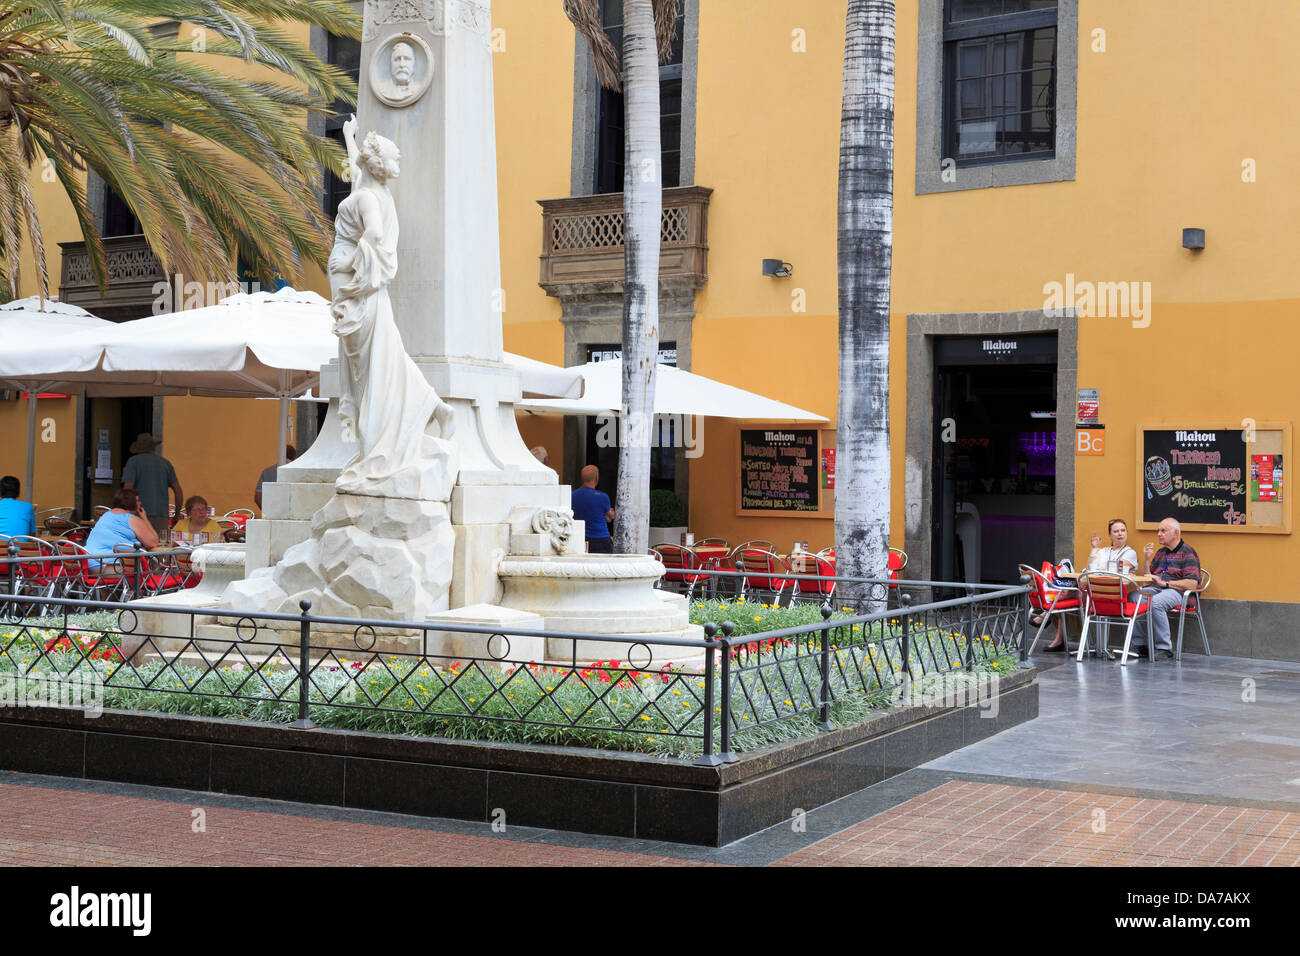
point(1035, 263)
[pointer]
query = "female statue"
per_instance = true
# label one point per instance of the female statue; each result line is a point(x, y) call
point(385, 403)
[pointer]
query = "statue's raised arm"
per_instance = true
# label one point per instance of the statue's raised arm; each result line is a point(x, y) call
point(354, 154)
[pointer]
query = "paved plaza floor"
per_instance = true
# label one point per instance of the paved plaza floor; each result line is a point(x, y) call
point(1153, 764)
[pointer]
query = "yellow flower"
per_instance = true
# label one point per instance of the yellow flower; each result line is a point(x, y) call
point(758, 617)
point(789, 704)
point(645, 717)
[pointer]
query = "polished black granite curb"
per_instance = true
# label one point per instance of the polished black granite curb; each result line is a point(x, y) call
point(566, 788)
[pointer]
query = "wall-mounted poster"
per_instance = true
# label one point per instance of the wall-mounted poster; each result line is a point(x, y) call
point(1265, 477)
point(828, 468)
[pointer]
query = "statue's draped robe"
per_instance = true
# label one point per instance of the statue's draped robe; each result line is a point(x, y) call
point(385, 403)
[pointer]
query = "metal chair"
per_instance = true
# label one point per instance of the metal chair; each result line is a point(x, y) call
point(241, 516)
point(94, 584)
point(59, 525)
point(679, 562)
point(38, 572)
point(821, 590)
point(715, 542)
point(1106, 601)
point(231, 529)
point(757, 543)
point(761, 571)
point(1191, 606)
point(1042, 598)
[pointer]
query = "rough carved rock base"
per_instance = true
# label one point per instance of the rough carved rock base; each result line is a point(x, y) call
point(380, 558)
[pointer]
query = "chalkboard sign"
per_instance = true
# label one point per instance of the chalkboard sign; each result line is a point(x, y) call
point(779, 470)
point(1197, 476)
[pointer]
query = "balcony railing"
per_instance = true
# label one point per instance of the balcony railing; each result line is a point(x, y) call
point(582, 241)
point(133, 271)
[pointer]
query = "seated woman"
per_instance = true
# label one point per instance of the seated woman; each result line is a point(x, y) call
point(198, 526)
point(1119, 556)
point(124, 523)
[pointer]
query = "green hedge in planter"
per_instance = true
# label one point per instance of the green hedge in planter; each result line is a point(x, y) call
point(666, 510)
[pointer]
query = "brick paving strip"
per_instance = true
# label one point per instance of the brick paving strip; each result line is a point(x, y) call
point(45, 827)
point(956, 823)
point(971, 823)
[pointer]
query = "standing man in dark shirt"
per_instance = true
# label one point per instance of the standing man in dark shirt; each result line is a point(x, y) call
point(152, 475)
point(1174, 569)
point(592, 507)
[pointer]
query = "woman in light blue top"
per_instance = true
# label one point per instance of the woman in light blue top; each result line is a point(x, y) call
point(125, 523)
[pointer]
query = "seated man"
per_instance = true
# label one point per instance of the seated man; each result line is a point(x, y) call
point(1175, 568)
point(16, 517)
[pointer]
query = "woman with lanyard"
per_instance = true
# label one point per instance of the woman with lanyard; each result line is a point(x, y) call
point(1119, 556)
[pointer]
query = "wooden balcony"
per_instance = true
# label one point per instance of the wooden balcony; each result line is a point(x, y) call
point(582, 242)
point(133, 271)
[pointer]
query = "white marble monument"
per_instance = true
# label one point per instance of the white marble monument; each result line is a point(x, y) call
point(419, 500)
point(381, 546)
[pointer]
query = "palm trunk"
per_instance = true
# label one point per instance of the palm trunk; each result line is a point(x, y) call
point(642, 212)
point(866, 209)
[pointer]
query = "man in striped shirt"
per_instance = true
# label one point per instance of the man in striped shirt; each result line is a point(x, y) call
point(1175, 568)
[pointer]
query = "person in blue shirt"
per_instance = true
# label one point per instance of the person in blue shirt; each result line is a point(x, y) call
point(125, 523)
point(16, 517)
point(592, 507)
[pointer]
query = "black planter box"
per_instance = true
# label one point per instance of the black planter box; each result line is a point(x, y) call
point(565, 788)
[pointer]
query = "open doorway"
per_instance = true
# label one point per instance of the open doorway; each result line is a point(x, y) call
point(994, 457)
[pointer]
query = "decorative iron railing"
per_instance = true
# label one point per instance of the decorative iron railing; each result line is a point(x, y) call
point(684, 697)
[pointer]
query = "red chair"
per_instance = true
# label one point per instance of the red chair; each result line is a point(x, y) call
point(817, 565)
point(680, 562)
point(1191, 607)
point(39, 572)
point(897, 561)
point(104, 583)
point(1048, 598)
point(761, 571)
point(1106, 596)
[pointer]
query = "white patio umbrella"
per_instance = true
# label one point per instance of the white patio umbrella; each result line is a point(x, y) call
point(261, 344)
point(677, 393)
point(29, 321)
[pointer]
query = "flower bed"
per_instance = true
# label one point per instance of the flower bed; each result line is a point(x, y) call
point(609, 706)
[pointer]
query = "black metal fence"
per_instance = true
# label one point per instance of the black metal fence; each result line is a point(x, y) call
point(684, 696)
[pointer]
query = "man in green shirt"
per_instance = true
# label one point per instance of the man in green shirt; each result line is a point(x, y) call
point(151, 475)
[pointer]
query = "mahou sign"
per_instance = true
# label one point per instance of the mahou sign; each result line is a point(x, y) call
point(1195, 476)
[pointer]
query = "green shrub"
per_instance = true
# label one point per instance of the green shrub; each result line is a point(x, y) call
point(666, 510)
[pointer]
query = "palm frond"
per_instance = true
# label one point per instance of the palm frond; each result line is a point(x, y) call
point(213, 166)
point(585, 17)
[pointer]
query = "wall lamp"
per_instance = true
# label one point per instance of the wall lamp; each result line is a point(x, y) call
point(777, 269)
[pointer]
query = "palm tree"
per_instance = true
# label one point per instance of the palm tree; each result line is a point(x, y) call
point(648, 27)
point(866, 212)
point(213, 166)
